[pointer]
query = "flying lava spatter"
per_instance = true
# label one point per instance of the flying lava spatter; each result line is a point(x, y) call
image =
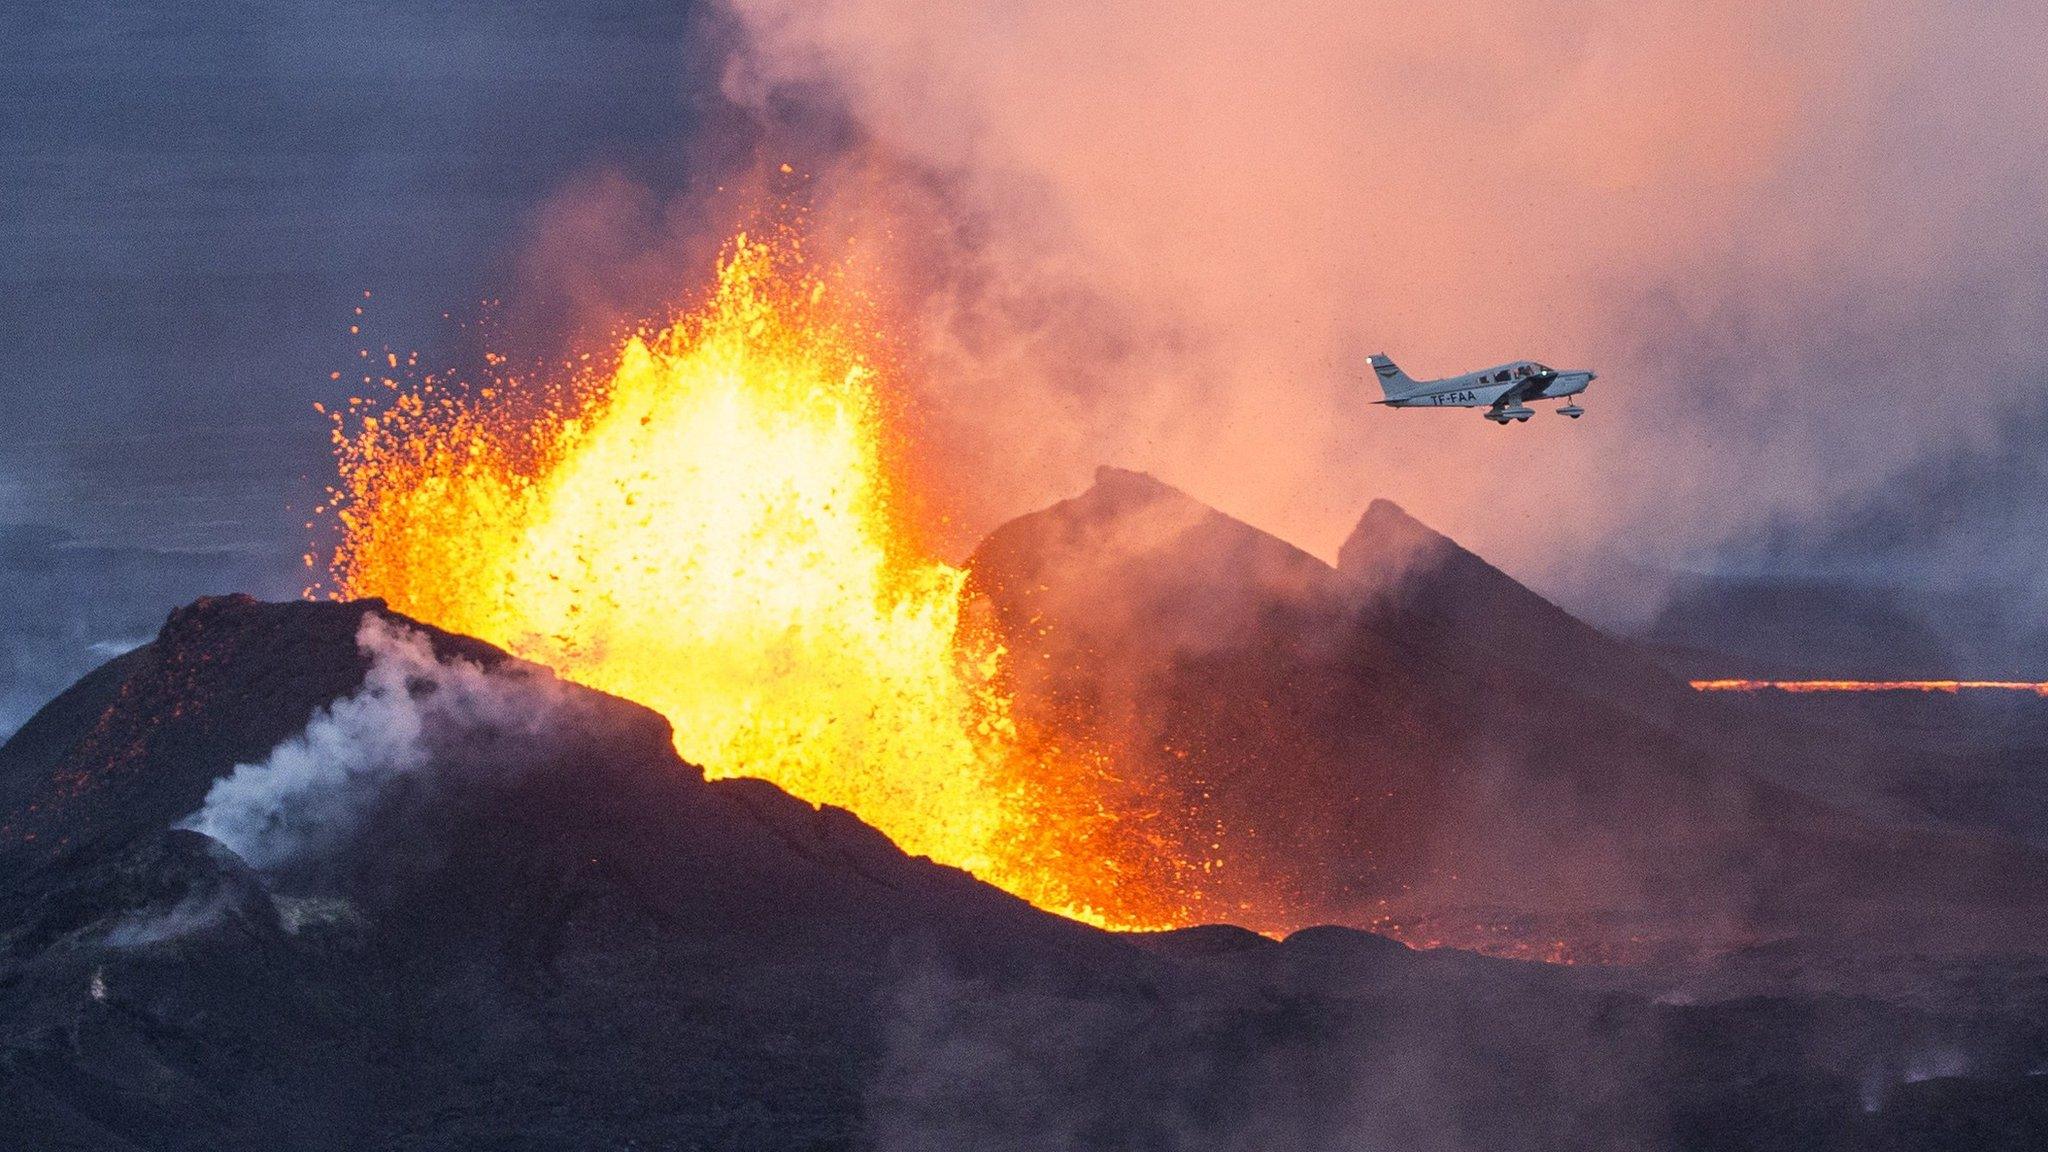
point(709, 530)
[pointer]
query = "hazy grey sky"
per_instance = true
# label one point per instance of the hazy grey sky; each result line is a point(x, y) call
point(193, 198)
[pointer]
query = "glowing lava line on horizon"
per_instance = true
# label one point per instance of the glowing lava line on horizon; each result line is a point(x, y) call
point(1951, 687)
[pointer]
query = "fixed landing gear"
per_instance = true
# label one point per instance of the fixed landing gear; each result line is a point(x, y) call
point(1571, 410)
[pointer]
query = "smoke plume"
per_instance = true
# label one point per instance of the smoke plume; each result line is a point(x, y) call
point(316, 790)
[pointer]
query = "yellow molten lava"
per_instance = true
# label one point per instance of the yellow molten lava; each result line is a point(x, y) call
point(710, 532)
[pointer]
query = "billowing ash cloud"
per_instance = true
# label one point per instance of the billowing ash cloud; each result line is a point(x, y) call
point(1799, 242)
point(316, 790)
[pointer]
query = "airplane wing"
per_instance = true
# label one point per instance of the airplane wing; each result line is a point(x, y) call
point(1524, 388)
point(1507, 399)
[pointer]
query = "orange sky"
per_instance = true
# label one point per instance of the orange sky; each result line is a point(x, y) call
point(1169, 234)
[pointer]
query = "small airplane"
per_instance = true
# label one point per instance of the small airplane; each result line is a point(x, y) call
point(1500, 390)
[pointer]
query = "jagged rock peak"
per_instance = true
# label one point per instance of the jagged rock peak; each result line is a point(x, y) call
point(1388, 543)
point(1123, 488)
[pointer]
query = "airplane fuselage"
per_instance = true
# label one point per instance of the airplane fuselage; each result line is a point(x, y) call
point(1477, 390)
point(1503, 390)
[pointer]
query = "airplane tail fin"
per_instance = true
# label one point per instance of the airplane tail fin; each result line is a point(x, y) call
point(1394, 382)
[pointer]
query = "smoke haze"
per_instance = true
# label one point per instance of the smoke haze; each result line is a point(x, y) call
point(1797, 242)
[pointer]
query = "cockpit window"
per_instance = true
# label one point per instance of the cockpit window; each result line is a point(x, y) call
point(1501, 377)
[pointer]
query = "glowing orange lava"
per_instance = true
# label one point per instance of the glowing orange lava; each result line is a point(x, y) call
point(2039, 688)
point(710, 530)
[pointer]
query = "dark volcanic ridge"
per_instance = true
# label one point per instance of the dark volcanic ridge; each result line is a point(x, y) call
point(469, 905)
point(1415, 741)
point(554, 916)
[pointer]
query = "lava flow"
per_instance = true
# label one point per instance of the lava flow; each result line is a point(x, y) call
point(710, 531)
point(1951, 687)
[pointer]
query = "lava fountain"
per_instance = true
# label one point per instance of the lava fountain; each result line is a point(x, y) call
point(710, 531)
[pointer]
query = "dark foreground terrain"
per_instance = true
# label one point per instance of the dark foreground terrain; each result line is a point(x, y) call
point(517, 920)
